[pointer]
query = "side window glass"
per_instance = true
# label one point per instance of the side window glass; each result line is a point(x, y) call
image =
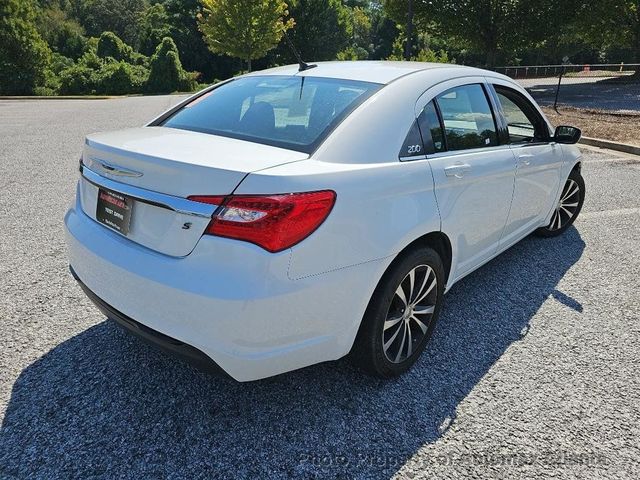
point(412, 145)
point(520, 119)
point(467, 117)
point(431, 129)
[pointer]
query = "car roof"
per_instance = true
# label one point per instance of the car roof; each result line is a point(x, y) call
point(370, 71)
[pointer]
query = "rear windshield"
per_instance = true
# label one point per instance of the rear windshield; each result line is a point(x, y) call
point(296, 113)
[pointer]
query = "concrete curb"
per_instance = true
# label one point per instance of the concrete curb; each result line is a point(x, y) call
point(63, 97)
point(89, 97)
point(620, 147)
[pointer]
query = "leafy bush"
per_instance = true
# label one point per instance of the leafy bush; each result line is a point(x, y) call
point(120, 78)
point(79, 79)
point(24, 56)
point(109, 45)
point(59, 63)
point(109, 67)
point(51, 84)
point(166, 73)
point(90, 59)
point(111, 78)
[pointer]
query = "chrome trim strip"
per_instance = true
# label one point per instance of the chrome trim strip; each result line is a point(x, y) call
point(411, 158)
point(455, 153)
point(170, 202)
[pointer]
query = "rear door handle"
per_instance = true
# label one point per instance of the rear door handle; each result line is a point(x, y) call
point(458, 170)
point(525, 159)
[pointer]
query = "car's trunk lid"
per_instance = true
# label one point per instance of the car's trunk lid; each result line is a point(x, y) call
point(181, 162)
point(153, 169)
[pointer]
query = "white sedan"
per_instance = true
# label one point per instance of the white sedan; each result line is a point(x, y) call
point(285, 218)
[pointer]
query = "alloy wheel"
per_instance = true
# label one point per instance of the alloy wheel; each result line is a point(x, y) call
point(410, 313)
point(567, 205)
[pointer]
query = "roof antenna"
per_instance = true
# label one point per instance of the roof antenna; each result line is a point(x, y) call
point(303, 65)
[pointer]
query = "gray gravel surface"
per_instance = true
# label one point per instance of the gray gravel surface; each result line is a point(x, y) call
point(532, 372)
point(586, 92)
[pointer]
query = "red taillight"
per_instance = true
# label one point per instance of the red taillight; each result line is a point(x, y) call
point(274, 222)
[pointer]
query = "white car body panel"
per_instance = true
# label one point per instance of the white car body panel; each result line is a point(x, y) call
point(370, 71)
point(155, 227)
point(180, 162)
point(256, 313)
point(232, 300)
point(487, 186)
point(536, 181)
point(378, 214)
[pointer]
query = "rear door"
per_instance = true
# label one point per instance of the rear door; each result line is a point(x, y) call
point(473, 173)
point(538, 160)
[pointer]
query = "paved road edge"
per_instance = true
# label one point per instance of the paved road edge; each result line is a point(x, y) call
point(620, 147)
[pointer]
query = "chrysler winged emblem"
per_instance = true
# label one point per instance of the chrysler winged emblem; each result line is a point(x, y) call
point(111, 169)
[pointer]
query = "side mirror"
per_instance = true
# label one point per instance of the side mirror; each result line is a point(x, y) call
point(565, 134)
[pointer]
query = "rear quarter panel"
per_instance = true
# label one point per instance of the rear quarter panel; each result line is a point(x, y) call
point(379, 209)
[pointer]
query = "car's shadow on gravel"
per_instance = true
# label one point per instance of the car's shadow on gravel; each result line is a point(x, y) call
point(104, 404)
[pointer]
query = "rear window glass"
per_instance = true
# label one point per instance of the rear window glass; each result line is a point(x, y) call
point(467, 117)
point(296, 113)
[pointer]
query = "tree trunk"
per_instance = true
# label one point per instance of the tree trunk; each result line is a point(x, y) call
point(492, 54)
point(408, 49)
point(249, 64)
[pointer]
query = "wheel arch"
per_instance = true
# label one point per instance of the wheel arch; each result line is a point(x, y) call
point(440, 242)
point(577, 167)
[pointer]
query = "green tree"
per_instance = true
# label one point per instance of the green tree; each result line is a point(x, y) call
point(118, 16)
point(605, 23)
point(245, 29)
point(321, 30)
point(154, 26)
point(63, 34)
point(194, 53)
point(423, 51)
point(497, 28)
point(24, 55)
point(167, 74)
point(359, 30)
point(383, 32)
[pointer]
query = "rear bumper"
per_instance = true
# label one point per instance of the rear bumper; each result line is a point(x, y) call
point(229, 300)
point(169, 345)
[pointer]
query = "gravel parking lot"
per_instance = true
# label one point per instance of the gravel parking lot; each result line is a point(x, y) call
point(532, 372)
point(586, 92)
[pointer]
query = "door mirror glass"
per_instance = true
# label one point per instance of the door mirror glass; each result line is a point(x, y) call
point(566, 134)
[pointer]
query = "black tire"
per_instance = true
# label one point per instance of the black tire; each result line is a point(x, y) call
point(369, 351)
point(568, 207)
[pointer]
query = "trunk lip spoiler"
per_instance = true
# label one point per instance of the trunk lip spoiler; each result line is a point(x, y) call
point(170, 202)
